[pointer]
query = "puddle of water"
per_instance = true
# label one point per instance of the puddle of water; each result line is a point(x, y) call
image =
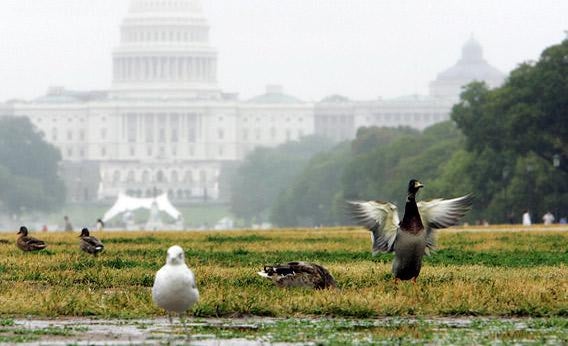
point(268, 331)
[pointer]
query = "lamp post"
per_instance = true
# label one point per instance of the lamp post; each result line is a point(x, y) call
point(556, 164)
point(529, 169)
point(505, 174)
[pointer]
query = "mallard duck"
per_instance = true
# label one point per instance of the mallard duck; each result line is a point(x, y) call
point(299, 274)
point(90, 244)
point(412, 238)
point(27, 243)
point(174, 287)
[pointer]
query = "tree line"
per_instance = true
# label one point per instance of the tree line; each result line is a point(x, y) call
point(508, 146)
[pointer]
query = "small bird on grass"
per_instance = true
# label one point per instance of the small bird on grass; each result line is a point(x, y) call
point(90, 244)
point(174, 287)
point(413, 237)
point(299, 274)
point(27, 243)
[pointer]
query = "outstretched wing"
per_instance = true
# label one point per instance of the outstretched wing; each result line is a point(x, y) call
point(381, 218)
point(442, 213)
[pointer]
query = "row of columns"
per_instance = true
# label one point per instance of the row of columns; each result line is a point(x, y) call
point(165, 68)
point(161, 128)
point(194, 35)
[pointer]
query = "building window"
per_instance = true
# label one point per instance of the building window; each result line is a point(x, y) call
point(103, 133)
point(103, 151)
point(82, 135)
point(288, 135)
point(245, 135)
point(130, 178)
point(221, 151)
point(149, 123)
point(257, 134)
point(69, 152)
point(273, 132)
point(191, 128)
point(131, 127)
point(149, 151)
point(69, 135)
point(116, 177)
point(54, 134)
point(220, 134)
point(132, 151)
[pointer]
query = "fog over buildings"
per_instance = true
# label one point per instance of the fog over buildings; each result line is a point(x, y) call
point(183, 95)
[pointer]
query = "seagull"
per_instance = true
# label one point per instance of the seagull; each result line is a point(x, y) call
point(299, 274)
point(174, 287)
point(27, 243)
point(90, 244)
point(412, 238)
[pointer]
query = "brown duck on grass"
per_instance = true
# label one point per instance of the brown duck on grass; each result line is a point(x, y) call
point(299, 274)
point(89, 244)
point(27, 243)
point(413, 237)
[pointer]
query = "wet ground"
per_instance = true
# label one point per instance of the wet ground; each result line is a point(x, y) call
point(266, 331)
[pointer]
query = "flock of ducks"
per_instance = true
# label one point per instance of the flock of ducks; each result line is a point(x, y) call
point(175, 289)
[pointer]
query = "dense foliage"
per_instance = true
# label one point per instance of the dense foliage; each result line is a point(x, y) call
point(377, 164)
point(28, 169)
point(265, 172)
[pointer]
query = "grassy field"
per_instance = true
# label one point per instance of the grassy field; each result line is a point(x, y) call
point(499, 274)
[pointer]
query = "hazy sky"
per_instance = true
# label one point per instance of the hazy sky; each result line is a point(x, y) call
point(359, 48)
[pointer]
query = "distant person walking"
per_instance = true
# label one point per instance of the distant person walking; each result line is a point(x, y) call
point(68, 226)
point(548, 218)
point(100, 225)
point(526, 218)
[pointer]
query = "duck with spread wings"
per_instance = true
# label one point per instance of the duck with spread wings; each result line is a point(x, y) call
point(413, 237)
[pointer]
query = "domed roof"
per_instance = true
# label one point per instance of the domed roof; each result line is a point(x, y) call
point(274, 94)
point(157, 6)
point(471, 66)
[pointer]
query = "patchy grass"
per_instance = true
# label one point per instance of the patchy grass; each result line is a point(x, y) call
point(472, 274)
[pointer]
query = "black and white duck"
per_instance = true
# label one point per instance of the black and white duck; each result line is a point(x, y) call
point(90, 244)
point(27, 243)
point(299, 274)
point(413, 237)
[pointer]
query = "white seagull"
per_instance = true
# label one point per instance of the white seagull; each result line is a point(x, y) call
point(174, 288)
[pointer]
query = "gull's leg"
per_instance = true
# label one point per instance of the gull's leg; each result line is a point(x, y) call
point(183, 319)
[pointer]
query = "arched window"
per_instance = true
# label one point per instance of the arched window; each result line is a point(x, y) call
point(131, 177)
point(116, 177)
point(160, 177)
point(175, 177)
point(145, 177)
point(188, 178)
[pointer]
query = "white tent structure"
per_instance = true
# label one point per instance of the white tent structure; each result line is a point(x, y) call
point(125, 203)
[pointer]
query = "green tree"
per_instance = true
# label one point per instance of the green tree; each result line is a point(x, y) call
point(266, 172)
point(28, 168)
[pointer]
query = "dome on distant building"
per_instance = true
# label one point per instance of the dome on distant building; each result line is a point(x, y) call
point(165, 53)
point(471, 67)
point(275, 94)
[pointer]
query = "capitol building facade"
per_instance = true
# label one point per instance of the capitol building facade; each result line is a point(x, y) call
point(166, 126)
